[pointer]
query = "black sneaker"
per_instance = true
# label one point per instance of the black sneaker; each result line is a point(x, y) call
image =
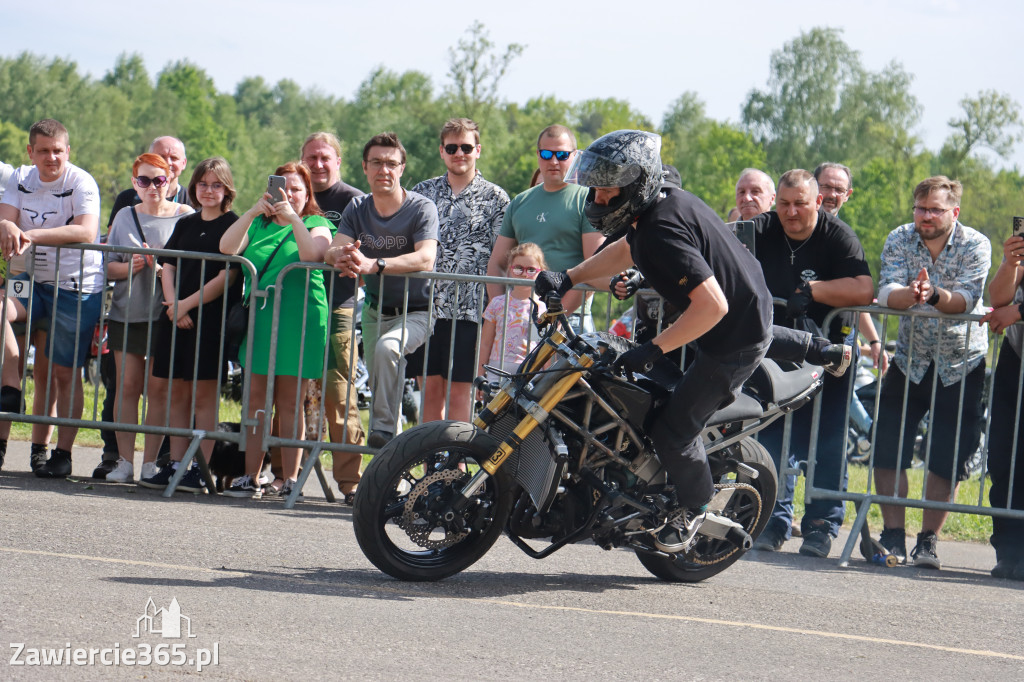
point(378, 439)
point(837, 359)
point(192, 481)
point(895, 541)
point(769, 540)
point(816, 543)
point(243, 486)
point(104, 467)
point(58, 466)
point(37, 457)
point(680, 530)
point(924, 553)
point(286, 490)
point(159, 480)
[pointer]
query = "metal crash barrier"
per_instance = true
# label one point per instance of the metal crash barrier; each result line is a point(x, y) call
point(863, 499)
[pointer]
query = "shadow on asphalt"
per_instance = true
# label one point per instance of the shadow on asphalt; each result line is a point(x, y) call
point(372, 584)
point(948, 574)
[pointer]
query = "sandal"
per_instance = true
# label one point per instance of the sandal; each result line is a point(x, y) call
point(274, 487)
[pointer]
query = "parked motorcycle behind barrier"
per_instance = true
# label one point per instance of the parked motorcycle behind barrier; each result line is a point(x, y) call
point(560, 453)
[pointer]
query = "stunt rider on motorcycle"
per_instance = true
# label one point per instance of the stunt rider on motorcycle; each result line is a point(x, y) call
point(687, 255)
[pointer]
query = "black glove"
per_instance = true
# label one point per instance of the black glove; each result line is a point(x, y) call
point(640, 359)
point(633, 280)
point(798, 303)
point(550, 282)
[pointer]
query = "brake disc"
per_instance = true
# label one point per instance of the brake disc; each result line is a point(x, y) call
point(419, 526)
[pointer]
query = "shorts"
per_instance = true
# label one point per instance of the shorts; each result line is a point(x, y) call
point(464, 361)
point(73, 327)
point(139, 341)
point(942, 429)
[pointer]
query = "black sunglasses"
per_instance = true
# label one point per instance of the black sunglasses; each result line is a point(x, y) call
point(546, 154)
point(450, 149)
point(158, 181)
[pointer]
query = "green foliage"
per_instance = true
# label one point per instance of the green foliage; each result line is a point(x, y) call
point(819, 103)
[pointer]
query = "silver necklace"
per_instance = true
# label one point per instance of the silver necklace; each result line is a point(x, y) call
point(792, 251)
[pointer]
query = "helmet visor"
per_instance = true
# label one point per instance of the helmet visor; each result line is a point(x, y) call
point(591, 170)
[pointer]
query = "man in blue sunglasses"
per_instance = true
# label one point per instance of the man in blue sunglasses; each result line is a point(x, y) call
point(551, 216)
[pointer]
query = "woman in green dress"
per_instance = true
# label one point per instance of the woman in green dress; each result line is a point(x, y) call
point(273, 234)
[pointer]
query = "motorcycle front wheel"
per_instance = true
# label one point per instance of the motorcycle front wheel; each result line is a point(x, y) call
point(750, 505)
point(403, 515)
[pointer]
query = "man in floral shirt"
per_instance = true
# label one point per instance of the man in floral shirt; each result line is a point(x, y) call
point(935, 264)
point(470, 210)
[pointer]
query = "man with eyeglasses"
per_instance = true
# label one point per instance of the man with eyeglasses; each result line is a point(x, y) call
point(835, 184)
point(321, 153)
point(470, 210)
point(173, 152)
point(934, 264)
point(386, 233)
point(814, 261)
point(551, 216)
point(47, 205)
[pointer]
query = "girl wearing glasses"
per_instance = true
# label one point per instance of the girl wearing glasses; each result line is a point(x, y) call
point(193, 292)
point(505, 336)
point(135, 305)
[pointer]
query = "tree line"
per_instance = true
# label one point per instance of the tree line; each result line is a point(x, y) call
point(819, 104)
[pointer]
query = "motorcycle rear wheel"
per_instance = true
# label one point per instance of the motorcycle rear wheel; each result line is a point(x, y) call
point(709, 556)
point(402, 516)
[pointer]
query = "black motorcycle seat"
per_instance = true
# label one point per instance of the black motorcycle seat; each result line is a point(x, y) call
point(779, 384)
point(741, 409)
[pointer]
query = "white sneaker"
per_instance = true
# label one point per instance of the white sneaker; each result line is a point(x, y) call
point(123, 472)
point(149, 470)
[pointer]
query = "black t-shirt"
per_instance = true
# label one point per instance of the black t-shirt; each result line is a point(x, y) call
point(679, 242)
point(192, 233)
point(831, 252)
point(130, 197)
point(332, 202)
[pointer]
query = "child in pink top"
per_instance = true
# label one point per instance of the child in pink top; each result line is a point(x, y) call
point(506, 337)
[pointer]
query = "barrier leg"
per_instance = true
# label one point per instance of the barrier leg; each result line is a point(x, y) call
point(858, 523)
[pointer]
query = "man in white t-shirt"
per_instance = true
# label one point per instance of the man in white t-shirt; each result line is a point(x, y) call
point(45, 206)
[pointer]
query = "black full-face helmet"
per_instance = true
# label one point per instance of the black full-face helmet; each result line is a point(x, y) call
point(629, 159)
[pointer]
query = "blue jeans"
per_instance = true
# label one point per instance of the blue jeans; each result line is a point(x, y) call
point(830, 473)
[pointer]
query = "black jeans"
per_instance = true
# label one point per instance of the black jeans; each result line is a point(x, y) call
point(709, 384)
point(1003, 461)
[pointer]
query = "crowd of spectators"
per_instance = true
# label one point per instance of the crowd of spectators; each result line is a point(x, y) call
point(166, 313)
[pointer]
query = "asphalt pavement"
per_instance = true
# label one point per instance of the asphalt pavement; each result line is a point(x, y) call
point(116, 575)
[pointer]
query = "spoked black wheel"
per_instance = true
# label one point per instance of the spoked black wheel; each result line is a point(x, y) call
point(404, 517)
point(748, 502)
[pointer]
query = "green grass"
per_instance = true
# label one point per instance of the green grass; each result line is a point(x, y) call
point(963, 527)
point(229, 411)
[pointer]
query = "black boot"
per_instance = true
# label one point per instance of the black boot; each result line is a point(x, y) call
point(58, 466)
point(37, 457)
point(3, 452)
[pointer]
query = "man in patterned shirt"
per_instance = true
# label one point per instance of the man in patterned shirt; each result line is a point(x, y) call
point(470, 210)
point(934, 264)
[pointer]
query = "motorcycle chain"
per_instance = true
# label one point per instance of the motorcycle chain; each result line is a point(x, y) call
point(719, 487)
point(419, 529)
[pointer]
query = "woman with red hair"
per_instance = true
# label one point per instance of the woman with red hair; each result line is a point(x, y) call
point(135, 305)
point(273, 234)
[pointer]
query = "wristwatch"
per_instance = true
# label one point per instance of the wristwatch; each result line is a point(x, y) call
point(934, 297)
point(381, 264)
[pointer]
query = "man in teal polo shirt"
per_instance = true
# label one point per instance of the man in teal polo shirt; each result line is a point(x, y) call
point(551, 216)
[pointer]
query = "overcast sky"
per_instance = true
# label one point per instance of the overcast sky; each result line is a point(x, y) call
point(644, 52)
